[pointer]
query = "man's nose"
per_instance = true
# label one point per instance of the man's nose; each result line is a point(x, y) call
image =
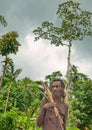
point(54, 88)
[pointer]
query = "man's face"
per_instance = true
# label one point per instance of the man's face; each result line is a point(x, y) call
point(57, 88)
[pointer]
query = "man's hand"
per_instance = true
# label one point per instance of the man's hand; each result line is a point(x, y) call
point(49, 105)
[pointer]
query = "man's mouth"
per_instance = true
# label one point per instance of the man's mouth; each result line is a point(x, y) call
point(56, 93)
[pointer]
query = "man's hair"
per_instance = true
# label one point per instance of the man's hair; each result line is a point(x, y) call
point(58, 79)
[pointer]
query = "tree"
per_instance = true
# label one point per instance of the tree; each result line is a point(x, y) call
point(49, 78)
point(75, 25)
point(81, 104)
point(80, 113)
point(8, 45)
point(23, 95)
point(10, 80)
point(11, 74)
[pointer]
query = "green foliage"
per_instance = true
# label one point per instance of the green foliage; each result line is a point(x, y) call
point(80, 112)
point(51, 77)
point(28, 94)
point(72, 128)
point(75, 24)
point(83, 96)
point(3, 21)
point(1, 104)
point(23, 94)
point(25, 98)
point(9, 44)
point(8, 120)
point(11, 74)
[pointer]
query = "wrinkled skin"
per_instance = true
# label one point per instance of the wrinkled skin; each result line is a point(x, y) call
point(47, 118)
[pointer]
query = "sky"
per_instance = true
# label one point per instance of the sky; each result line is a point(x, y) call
point(39, 59)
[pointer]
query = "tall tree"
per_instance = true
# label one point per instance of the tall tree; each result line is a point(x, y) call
point(8, 45)
point(75, 25)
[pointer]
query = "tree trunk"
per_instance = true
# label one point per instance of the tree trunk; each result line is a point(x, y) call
point(68, 75)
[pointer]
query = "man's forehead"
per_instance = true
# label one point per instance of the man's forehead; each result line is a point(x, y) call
point(56, 83)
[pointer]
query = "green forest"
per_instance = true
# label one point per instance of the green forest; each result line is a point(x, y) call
point(20, 98)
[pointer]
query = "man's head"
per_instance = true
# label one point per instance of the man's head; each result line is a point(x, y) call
point(58, 87)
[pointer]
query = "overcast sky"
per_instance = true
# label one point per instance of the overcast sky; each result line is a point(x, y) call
point(38, 59)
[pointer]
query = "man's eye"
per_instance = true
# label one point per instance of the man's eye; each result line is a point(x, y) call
point(56, 86)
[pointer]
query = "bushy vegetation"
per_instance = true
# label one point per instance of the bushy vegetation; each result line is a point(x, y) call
point(23, 101)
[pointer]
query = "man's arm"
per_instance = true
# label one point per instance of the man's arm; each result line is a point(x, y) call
point(45, 105)
point(41, 116)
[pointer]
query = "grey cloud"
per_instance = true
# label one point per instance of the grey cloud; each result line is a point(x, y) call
point(24, 16)
point(84, 48)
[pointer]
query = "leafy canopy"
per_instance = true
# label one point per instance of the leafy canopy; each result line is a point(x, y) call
point(9, 44)
point(75, 25)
